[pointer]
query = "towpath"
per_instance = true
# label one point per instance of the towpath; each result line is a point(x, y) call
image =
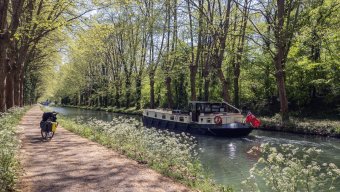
point(71, 163)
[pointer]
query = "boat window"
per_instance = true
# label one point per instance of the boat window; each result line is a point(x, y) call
point(172, 117)
point(201, 119)
point(215, 108)
point(163, 116)
point(208, 120)
point(155, 114)
point(147, 113)
point(206, 108)
point(181, 118)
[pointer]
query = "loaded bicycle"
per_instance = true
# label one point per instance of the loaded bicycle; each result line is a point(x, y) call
point(48, 125)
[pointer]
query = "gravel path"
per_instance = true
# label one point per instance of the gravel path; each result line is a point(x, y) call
point(71, 163)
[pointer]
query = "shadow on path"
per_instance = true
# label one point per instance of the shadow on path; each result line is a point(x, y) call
point(70, 163)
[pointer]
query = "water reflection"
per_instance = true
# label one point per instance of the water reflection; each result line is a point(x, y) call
point(231, 151)
point(89, 114)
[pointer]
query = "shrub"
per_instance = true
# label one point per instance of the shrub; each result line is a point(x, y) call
point(290, 169)
point(9, 144)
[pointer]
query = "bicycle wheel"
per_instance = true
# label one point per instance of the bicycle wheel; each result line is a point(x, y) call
point(52, 134)
point(43, 134)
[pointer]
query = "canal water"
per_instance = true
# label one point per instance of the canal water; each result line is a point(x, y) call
point(227, 159)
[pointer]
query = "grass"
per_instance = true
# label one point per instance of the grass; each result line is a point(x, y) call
point(323, 127)
point(9, 145)
point(173, 155)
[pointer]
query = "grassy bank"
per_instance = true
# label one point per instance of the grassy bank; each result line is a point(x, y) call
point(173, 155)
point(9, 145)
point(322, 127)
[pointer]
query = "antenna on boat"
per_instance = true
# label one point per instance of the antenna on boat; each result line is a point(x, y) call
point(231, 106)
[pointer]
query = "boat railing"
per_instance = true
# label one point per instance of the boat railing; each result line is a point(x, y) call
point(232, 106)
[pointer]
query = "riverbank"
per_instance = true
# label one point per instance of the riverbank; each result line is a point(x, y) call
point(69, 163)
point(9, 146)
point(322, 127)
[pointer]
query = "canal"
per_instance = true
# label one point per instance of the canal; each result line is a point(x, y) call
point(227, 159)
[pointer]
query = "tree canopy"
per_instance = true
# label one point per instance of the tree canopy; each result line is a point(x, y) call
point(267, 55)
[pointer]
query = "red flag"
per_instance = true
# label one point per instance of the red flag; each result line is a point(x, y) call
point(253, 120)
point(249, 117)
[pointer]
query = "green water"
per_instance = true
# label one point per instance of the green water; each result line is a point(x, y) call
point(226, 158)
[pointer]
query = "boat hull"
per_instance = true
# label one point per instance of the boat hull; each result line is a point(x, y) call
point(224, 130)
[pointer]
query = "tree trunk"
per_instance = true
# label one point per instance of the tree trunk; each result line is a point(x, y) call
point(2, 91)
point(194, 61)
point(206, 88)
point(181, 92)
point(224, 82)
point(233, 58)
point(205, 74)
point(138, 92)
point(279, 58)
point(10, 90)
point(201, 79)
point(169, 92)
point(79, 99)
point(240, 54)
point(117, 96)
point(128, 91)
point(3, 73)
point(17, 89)
point(193, 72)
point(152, 90)
point(282, 91)
point(236, 91)
point(219, 49)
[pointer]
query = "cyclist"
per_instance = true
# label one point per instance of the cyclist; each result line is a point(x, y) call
point(46, 122)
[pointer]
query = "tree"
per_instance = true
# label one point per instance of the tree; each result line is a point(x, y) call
point(239, 51)
point(10, 14)
point(283, 19)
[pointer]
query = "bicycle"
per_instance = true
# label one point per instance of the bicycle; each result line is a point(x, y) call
point(48, 125)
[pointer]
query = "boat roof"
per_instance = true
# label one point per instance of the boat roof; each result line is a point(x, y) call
point(206, 102)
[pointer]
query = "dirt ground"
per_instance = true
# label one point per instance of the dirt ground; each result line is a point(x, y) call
point(71, 163)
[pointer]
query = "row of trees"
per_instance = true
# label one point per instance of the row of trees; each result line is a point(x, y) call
point(168, 52)
point(29, 33)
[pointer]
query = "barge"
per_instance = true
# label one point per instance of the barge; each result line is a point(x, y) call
point(203, 118)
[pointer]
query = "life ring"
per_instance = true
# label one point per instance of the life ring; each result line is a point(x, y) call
point(218, 120)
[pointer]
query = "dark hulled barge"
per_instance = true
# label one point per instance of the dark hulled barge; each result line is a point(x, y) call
point(203, 118)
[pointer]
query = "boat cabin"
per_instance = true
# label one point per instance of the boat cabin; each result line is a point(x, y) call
point(199, 112)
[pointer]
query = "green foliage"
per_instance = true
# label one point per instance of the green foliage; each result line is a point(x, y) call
point(9, 145)
point(290, 169)
point(171, 154)
point(108, 57)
